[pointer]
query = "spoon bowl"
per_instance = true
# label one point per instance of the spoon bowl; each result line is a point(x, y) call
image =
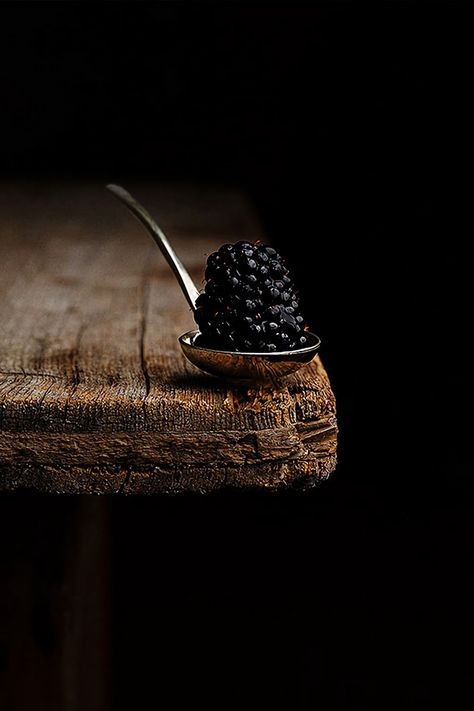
point(233, 365)
point(247, 367)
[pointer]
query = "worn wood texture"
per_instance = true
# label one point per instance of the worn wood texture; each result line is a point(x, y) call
point(95, 395)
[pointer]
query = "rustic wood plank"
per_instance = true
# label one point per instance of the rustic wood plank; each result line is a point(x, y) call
point(95, 395)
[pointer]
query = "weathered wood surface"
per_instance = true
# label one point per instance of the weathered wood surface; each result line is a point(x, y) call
point(95, 395)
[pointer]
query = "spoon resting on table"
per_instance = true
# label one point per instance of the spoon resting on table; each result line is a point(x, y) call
point(245, 366)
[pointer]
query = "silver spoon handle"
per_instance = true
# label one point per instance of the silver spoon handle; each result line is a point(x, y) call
point(184, 280)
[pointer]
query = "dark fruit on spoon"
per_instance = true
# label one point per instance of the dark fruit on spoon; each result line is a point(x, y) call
point(249, 302)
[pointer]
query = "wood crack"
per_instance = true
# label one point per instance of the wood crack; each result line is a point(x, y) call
point(316, 429)
point(74, 357)
point(41, 400)
point(143, 325)
point(76, 378)
point(124, 483)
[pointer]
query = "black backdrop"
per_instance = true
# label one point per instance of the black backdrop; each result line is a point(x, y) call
point(349, 126)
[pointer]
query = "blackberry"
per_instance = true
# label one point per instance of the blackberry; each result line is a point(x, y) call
point(249, 302)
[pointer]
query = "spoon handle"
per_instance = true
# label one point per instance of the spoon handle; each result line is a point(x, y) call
point(184, 280)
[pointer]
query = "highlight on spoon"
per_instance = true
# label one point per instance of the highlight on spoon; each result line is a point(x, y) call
point(250, 367)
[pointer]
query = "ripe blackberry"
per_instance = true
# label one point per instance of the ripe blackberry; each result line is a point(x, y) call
point(249, 302)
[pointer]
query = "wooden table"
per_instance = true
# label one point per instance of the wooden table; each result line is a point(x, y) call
point(95, 394)
point(96, 398)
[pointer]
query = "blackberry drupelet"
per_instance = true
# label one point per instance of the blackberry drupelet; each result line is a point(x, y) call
point(249, 302)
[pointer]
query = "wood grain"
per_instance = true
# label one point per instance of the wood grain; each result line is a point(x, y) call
point(95, 395)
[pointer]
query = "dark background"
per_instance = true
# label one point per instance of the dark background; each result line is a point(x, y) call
point(349, 126)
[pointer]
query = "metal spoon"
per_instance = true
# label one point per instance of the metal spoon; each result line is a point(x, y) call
point(247, 367)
